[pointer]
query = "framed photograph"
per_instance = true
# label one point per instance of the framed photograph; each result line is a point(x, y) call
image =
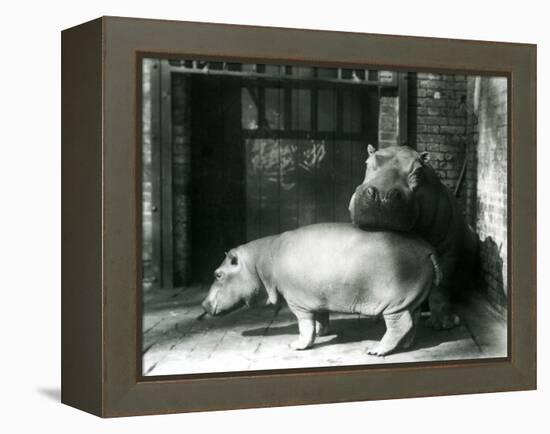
point(259, 217)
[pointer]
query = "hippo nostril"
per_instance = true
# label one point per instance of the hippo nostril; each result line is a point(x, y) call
point(371, 192)
point(393, 195)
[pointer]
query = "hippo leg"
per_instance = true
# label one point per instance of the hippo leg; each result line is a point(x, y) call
point(321, 323)
point(441, 317)
point(440, 297)
point(398, 325)
point(408, 340)
point(306, 325)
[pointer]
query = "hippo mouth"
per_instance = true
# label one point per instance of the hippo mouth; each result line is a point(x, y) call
point(390, 223)
point(217, 311)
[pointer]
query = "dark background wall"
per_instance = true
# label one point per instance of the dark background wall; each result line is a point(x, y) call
point(217, 184)
point(181, 178)
point(295, 166)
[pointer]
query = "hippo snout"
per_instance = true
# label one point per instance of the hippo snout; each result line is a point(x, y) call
point(372, 195)
point(375, 208)
point(208, 306)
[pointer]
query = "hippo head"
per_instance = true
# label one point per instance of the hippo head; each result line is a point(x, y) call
point(234, 285)
point(387, 198)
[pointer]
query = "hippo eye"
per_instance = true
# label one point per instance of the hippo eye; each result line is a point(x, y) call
point(218, 275)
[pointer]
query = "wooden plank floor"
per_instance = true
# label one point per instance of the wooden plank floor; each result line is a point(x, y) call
point(176, 342)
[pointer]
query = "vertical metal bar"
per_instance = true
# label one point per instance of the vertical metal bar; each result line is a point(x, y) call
point(363, 95)
point(287, 107)
point(313, 129)
point(313, 108)
point(262, 119)
point(403, 107)
point(166, 170)
point(339, 110)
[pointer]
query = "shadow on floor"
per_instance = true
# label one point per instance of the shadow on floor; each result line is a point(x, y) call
point(349, 330)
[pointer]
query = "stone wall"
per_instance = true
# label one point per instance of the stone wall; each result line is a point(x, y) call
point(489, 107)
point(149, 273)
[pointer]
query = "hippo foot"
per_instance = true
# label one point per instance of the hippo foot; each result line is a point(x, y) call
point(299, 345)
point(443, 321)
point(379, 350)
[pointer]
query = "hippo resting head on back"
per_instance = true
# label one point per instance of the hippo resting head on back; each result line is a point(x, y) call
point(331, 267)
point(402, 192)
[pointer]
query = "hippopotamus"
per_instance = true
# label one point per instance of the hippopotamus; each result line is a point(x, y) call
point(402, 192)
point(331, 267)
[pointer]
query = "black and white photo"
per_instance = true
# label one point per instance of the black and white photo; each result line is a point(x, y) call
point(305, 216)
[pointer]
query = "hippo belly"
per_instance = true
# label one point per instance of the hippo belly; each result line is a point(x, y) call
point(338, 268)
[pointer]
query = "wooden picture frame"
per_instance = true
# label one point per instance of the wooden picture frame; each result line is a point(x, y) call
point(101, 226)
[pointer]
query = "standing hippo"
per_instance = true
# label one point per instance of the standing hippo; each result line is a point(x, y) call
point(402, 192)
point(331, 267)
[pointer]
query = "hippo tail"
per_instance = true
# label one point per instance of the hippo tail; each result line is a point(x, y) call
point(438, 275)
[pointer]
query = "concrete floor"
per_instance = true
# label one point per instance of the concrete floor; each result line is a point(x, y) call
point(175, 342)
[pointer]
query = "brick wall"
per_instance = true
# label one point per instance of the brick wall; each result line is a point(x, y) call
point(489, 110)
point(439, 115)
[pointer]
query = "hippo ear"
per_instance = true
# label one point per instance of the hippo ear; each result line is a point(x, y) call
point(371, 149)
point(233, 258)
point(424, 157)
